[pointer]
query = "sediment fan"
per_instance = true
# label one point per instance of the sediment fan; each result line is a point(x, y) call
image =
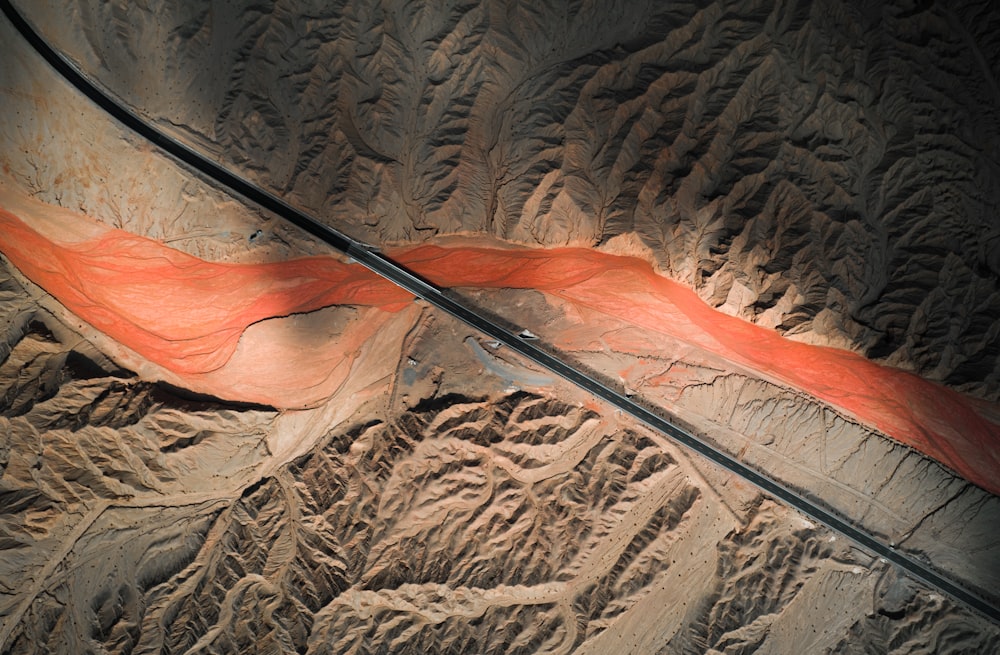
point(384, 266)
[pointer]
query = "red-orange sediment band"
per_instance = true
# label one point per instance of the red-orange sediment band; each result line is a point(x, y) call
point(187, 315)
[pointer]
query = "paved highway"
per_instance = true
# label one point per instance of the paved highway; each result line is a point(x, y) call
point(377, 262)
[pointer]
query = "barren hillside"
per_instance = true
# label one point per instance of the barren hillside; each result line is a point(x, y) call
point(335, 474)
point(829, 169)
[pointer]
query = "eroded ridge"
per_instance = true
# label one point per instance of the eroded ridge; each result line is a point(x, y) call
point(824, 168)
point(460, 523)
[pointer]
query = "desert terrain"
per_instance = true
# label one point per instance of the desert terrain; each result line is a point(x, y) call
point(775, 221)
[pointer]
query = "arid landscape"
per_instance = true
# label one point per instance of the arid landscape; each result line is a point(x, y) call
point(776, 222)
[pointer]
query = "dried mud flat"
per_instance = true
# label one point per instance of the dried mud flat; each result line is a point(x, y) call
point(451, 499)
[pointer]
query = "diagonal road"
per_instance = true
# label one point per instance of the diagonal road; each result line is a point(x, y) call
point(369, 257)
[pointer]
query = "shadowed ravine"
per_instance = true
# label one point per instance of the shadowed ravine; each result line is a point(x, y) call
point(187, 316)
